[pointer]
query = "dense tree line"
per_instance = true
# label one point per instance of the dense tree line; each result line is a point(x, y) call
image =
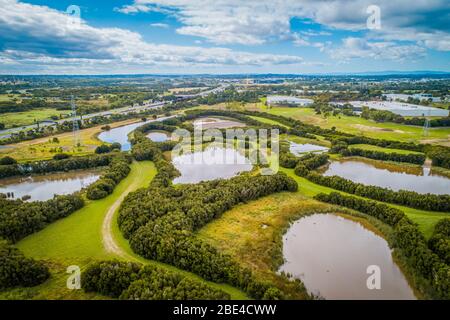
point(440, 156)
point(159, 221)
point(392, 144)
point(118, 169)
point(407, 238)
point(132, 281)
point(310, 162)
point(19, 219)
point(18, 271)
point(415, 158)
point(439, 242)
point(411, 199)
point(47, 166)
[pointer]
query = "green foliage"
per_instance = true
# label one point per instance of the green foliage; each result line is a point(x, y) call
point(17, 270)
point(392, 156)
point(61, 156)
point(39, 167)
point(131, 281)
point(104, 148)
point(159, 222)
point(439, 242)
point(118, 169)
point(7, 161)
point(19, 219)
point(431, 202)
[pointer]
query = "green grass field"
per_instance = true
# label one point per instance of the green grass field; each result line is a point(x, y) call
point(19, 119)
point(77, 240)
point(381, 149)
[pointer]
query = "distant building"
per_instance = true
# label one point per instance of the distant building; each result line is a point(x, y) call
point(401, 108)
point(288, 101)
point(404, 97)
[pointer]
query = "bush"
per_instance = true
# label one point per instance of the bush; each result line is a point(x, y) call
point(102, 149)
point(412, 199)
point(126, 280)
point(7, 161)
point(61, 156)
point(17, 270)
point(439, 242)
point(19, 219)
point(118, 169)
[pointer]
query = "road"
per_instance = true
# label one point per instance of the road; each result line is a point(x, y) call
point(4, 134)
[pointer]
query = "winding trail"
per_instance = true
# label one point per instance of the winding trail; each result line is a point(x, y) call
point(109, 242)
point(108, 238)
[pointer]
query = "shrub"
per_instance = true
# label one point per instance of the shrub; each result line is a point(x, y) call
point(61, 156)
point(17, 270)
point(7, 161)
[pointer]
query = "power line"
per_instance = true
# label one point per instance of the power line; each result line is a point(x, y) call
point(75, 126)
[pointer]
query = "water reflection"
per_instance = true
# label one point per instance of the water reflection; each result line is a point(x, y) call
point(158, 136)
point(298, 149)
point(44, 187)
point(212, 163)
point(366, 173)
point(331, 255)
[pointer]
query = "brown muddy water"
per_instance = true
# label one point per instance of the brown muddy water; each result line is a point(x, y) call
point(331, 256)
point(389, 176)
point(44, 187)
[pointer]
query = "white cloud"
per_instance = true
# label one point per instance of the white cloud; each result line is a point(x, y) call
point(160, 25)
point(40, 35)
point(353, 48)
point(254, 22)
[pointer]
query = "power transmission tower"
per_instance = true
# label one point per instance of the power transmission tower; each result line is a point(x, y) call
point(75, 126)
point(426, 125)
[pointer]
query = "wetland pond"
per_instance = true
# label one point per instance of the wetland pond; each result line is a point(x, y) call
point(158, 136)
point(331, 256)
point(212, 163)
point(389, 176)
point(298, 149)
point(44, 187)
point(120, 134)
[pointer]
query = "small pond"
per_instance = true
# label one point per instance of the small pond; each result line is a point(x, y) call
point(331, 256)
point(120, 134)
point(217, 123)
point(212, 163)
point(299, 149)
point(158, 136)
point(44, 187)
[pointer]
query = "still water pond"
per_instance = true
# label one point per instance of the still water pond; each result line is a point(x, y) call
point(298, 149)
point(331, 255)
point(44, 187)
point(158, 136)
point(368, 174)
point(217, 123)
point(212, 163)
point(120, 134)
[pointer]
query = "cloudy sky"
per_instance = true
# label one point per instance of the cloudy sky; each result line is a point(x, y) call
point(223, 36)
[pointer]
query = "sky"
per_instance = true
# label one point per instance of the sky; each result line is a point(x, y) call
point(223, 36)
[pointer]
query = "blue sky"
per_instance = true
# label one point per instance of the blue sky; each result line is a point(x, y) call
point(223, 36)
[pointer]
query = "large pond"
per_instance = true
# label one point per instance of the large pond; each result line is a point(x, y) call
point(331, 255)
point(212, 163)
point(44, 187)
point(158, 136)
point(120, 134)
point(299, 149)
point(388, 177)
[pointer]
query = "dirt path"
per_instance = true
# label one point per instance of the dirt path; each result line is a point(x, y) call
point(108, 239)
